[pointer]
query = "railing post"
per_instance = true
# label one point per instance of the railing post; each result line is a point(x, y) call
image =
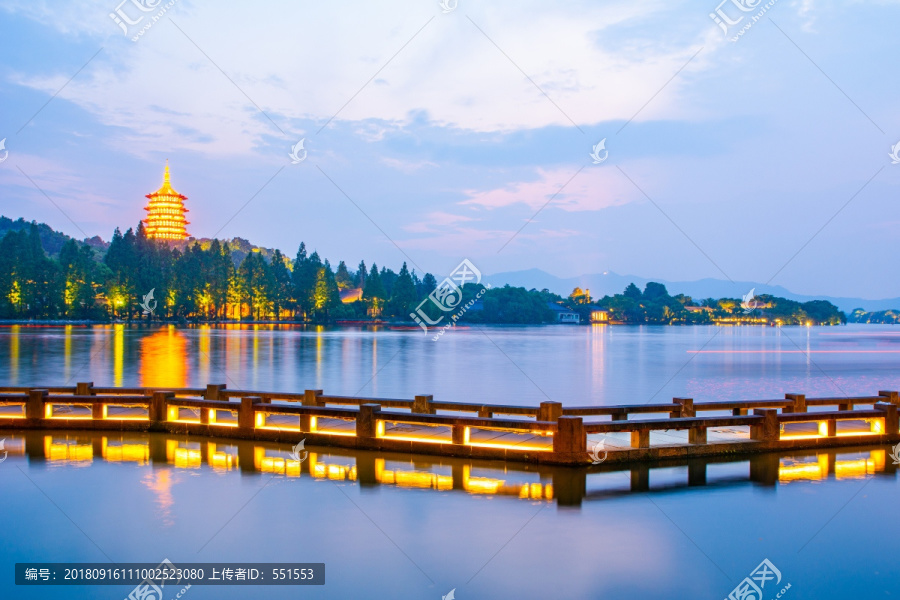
point(550, 411)
point(311, 397)
point(485, 412)
point(214, 390)
point(570, 436)
point(697, 435)
point(159, 407)
point(799, 402)
point(640, 438)
point(247, 414)
point(460, 434)
point(422, 405)
point(99, 411)
point(619, 416)
point(892, 397)
point(891, 418)
point(86, 388)
point(686, 407)
point(34, 408)
point(367, 421)
point(769, 430)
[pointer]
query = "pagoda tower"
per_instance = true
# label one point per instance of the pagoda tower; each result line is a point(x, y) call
point(165, 212)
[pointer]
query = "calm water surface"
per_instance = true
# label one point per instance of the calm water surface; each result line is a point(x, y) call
point(391, 526)
point(519, 365)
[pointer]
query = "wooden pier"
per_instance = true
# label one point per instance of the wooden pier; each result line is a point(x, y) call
point(549, 433)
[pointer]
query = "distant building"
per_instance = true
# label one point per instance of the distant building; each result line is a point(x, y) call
point(165, 212)
point(563, 314)
point(351, 295)
point(698, 309)
point(599, 314)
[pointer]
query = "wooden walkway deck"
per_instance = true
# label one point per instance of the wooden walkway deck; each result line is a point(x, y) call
point(549, 433)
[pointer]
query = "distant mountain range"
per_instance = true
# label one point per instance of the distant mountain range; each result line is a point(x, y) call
point(609, 283)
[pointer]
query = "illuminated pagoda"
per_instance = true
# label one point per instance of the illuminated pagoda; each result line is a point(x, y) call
point(165, 212)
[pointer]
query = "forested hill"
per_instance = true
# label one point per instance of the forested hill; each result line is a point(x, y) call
point(51, 240)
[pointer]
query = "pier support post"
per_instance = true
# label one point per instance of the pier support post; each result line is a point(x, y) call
point(764, 468)
point(549, 411)
point(460, 434)
point(485, 413)
point(34, 408)
point(247, 413)
point(640, 438)
point(569, 486)
point(310, 398)
point(570, 436)
point(799, 403)
point(891, 419)
point(99, 411)
point(159, 407)
point(768, 430)
point(213, 392)
point(697, 435)
point(738, 412)
point(640, 478)
point(84, 388)
point(686, 407)
point(696, 473)
point(422, 404)
point(367, 421)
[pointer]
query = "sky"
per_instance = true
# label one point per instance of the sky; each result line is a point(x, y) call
point(437, 132)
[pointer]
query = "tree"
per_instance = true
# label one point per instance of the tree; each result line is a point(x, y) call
point(343, 277)
point(403, 299)
point(374, 292)
point(282, 287)
point(633, 292)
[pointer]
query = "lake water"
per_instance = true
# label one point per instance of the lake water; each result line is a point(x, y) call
point(390, 526)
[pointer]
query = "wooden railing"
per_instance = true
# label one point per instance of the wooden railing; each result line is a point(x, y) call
point(216, 410)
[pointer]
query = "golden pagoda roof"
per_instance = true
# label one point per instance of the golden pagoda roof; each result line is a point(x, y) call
point(166, 189)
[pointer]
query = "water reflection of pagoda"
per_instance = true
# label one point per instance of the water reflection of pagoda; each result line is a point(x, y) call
point(165, 212)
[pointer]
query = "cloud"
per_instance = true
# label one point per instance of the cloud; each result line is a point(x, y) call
point(485, 70)
point(592, 189)
point(437, 221)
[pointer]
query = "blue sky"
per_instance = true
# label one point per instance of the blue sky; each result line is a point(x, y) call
point(449, 132)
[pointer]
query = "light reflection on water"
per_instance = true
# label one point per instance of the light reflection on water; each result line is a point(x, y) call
point(522, 365)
